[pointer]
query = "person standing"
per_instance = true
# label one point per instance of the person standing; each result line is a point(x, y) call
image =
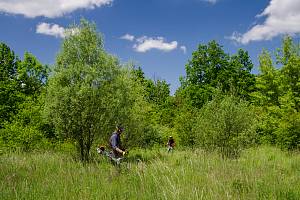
point(171, 144)
point(115, 143)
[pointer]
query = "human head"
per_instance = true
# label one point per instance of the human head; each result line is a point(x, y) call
point(119, 129)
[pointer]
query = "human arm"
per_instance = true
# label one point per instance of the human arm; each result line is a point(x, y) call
point(115, 142)
point(120, 151)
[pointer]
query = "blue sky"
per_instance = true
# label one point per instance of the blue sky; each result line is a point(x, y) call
point(158, 35)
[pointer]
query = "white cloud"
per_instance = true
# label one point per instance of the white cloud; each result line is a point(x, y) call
point(127, 37)
point(145, 44)
point(50, 29)
point(211, 1)
point(183, 48)
point(54, 30)
point(282, 17)
point(48, 8)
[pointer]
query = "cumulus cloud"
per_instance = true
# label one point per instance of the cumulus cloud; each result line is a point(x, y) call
point(51, 29)
point(145, 44)
point(54, 30)
point(183, 48)
point(282, 17)
point(127, 37)
point(48, 8)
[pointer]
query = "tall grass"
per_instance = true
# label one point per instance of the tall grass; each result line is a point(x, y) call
point(263, 173)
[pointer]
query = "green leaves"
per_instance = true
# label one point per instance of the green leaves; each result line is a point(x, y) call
point(277, 92)
point(89, 94)
point(8, 83)
point(80, 88)
point(19, 80)
point(211, 68)
point(225, 124)
point(32, 75)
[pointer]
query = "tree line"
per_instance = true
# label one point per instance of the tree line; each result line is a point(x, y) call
point(219, 106)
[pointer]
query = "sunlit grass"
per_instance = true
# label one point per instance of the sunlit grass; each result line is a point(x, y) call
point(263, 173)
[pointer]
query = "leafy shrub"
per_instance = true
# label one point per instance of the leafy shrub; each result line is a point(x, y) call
point(25, 138)
point(183, 125)
point(28, 130)
point(226, 125)
point(288, 132)
point(280, 127)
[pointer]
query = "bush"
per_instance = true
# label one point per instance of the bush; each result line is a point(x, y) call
point(280, 127)
point(288, 132)
point(27, 131)
point(25, 138)
point(226, 125)
point(183, 125)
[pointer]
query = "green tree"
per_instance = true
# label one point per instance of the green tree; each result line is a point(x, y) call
point(8, 83)
point(289, 57)
point(82, 92)
point(157, 93)
point(266, 97)
point(277, 95)
point(288, 132)
point(90, 93)
point(240, 82)
point(22, 82)
point(32, 76)
point(211, 69)
point(19, 80)
point(267, 82)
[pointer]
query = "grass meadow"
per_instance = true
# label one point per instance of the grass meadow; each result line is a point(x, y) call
point(260, 173)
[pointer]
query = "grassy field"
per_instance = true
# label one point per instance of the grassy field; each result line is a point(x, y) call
point(262, 173)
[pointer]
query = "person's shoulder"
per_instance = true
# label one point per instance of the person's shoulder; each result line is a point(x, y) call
point(113, 135)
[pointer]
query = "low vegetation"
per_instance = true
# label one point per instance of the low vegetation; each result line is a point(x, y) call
point(259, 173)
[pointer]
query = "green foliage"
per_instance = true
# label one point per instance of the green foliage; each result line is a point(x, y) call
point(90, 94)
point(21, 84)
point(83, 93)
point(136, 113)
point(267, 82)
point(27, 129)
point(225, 124)
point(163, 104)
point(277, 94)
point(288, 132)
point(211, 68)
point(157, 93)
point(8, 83)
point(183, 124)
point(32, 76)
point(19, 80)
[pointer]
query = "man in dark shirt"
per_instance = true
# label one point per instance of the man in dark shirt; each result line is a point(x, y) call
point(115, 142)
